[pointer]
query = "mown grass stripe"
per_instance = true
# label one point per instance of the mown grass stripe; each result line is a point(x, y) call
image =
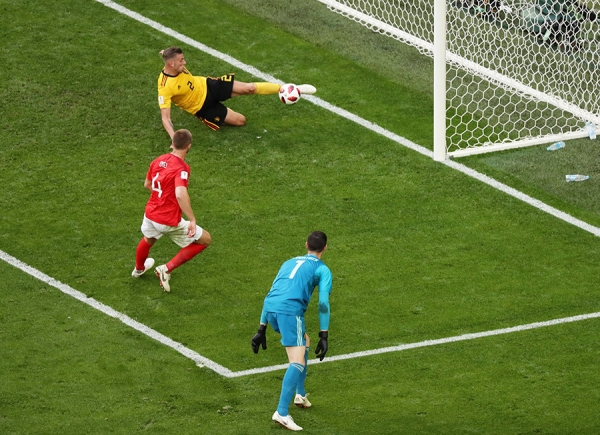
point(357, 119)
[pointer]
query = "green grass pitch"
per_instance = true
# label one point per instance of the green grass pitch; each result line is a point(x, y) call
point(418, 250)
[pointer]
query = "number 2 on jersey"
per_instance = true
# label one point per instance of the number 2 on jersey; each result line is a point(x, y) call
point(298, 264)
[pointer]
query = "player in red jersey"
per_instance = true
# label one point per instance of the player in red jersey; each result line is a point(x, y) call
point(167, 179)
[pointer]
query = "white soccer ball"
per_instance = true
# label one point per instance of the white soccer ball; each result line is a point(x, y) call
point(289, 94)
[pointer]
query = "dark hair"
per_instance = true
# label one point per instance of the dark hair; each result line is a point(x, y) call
point(316, 242)
point(170, 53)
point(181, 139)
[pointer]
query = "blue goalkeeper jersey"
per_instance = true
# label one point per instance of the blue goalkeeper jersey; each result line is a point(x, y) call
point(294, 285)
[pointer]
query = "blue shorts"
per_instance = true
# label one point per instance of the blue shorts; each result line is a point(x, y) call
point(291, 328)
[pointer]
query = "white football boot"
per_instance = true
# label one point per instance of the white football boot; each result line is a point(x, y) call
point(301, 401)
point(164, 277)
point(287, 421)
point(306, 89)
point(147, 266)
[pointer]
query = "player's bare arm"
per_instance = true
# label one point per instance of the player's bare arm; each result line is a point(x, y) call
point(165, 114)
point(183, 198)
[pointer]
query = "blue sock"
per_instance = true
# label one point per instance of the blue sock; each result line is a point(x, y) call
point(300, 386)
point(290, 380)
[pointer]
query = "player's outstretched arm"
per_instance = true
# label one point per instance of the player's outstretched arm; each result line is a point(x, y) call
point(165, 115)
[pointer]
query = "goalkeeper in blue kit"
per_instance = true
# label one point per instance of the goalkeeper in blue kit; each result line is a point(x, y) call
point(284, 309)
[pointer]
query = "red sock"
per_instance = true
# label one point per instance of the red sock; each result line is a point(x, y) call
point(186, 254)
point(141, 253)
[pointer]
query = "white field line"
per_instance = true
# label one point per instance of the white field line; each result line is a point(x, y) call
point(202, 361)
point(188, 353)
point(357, 119)
point(426, 343)
point(205, 362)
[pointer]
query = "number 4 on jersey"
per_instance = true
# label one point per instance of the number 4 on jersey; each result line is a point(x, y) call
point(156, 185)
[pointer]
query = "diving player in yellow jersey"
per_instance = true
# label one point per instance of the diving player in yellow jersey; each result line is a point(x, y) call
point(202, 96)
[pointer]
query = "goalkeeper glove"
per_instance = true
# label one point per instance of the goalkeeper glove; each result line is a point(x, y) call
point(321, 349)
point(260, 338)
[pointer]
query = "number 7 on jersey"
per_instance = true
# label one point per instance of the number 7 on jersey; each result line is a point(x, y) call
point(298, 264)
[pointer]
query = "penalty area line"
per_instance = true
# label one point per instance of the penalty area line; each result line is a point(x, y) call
point(426, 343)
point(202, 361)
point(188, 353)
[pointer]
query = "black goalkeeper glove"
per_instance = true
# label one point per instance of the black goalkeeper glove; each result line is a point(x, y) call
point(322, 347)
point(260, 338)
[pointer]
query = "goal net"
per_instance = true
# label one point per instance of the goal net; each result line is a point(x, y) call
point(517, 73)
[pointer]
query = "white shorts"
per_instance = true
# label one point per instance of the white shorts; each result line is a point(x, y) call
point(177, 234)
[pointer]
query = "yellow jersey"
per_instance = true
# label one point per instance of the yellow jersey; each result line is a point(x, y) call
point(185, 90)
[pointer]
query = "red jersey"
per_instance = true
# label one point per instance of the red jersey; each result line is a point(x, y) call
point(166, 173)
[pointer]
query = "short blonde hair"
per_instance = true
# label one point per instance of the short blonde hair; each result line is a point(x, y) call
point(170, 53)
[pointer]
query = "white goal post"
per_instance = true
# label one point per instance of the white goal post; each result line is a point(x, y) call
point(507, 73)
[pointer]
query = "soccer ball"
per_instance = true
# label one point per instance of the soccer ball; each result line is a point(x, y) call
point(289, 94)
